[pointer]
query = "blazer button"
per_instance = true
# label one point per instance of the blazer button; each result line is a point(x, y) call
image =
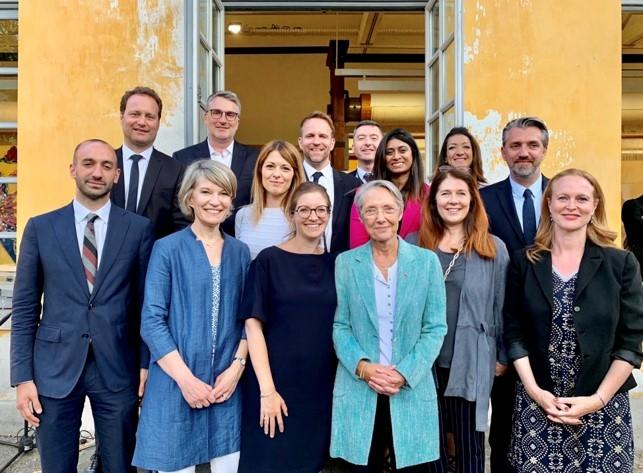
point(576, 309)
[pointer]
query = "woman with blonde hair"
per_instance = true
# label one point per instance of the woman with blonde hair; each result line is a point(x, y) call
point(277, 174)
point(573, 328)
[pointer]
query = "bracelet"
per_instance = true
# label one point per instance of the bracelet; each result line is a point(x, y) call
point(601, 399)
point(267, 395)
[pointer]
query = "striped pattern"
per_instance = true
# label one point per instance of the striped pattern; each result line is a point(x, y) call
point(90, 252)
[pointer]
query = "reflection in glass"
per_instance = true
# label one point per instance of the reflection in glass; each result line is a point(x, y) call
point(7, 251)
point(204, 5)
point(449, 17)
point(434, 145)
point(435, 86)
point(204, 58)
point(449, 73)
point(435, 27)
point(9, 43)
point(449, 121)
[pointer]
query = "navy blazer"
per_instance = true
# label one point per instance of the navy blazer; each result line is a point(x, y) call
point(344, 186)
point(632, 216)
point(503, 218)
point(51, 349)
point(243, 163)
point(608, 314)
point(158, 200)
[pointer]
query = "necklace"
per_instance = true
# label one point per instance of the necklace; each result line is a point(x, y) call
point(453, 260)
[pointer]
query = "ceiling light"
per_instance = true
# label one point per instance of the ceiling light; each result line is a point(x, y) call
point(234, 28)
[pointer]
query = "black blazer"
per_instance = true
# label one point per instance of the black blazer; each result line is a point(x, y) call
point(503, 218)
point(356, 176)
point(243, 163)
point(158, 200)
point(632, 216)
point(344, 186)
point(608, 314)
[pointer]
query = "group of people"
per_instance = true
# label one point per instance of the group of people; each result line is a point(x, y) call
point(271, 311)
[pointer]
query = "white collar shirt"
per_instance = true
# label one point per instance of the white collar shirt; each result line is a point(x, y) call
point(385, 303)
point(142, 169)
point(517, 192)
point(326, 181)
point(225, 157)
point(100, 226)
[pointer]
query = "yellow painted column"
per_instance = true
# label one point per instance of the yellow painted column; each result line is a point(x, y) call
point(558, 60)
point(76, 58)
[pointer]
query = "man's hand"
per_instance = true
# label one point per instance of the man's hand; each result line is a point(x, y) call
point(27, 402)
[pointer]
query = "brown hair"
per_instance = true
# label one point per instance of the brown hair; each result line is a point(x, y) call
point(140, 90)
point(291, 155)
point(598, 231)
point(475, 224)
point(476, 161)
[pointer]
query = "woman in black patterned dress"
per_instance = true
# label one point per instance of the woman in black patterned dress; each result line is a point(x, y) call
point(573, 327)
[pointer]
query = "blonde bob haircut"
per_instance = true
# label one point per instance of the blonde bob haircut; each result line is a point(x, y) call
point(597, 230)
point(291, 155)
point(217, 173)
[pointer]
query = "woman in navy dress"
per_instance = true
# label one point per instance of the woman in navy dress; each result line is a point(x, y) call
point(288, 388)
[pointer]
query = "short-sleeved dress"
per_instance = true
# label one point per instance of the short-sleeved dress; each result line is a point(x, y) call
point(603, 443)
point(294, 296)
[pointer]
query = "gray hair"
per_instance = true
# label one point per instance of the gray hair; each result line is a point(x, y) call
point(380, 183)
point(217, 173)
point(228, 95)
point(526, 122)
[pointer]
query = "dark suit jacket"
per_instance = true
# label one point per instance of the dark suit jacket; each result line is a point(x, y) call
point(158, 200)
point(503, 218)
point(608, 314)
point(344, 186)
point(242, 165)
point(632, 216)
point(52, 350)
point(356, 176)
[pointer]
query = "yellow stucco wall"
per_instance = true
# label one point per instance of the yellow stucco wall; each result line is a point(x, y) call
point(559, 60)
point(75, 61)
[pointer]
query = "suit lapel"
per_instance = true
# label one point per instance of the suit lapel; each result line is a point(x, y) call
point(118, 191)
point(65, 231)
point(363, 279)
point(589, 264)
point(509, 208)
point(116, 234)
point(151, 175)
point(238, 159)
point(542, 270)
point(404, 288)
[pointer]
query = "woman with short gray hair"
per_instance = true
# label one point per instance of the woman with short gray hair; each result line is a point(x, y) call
point(192, 410)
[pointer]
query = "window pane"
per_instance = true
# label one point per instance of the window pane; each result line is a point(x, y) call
point(204, 5)
point(435, 86)
point(448, 121)
point(7, 251)
point(204, 59)
point(435, 27)
point(215, 76)
point(8, 153)
point(449, 74)
point(9, 43)
point(216, 14)
point(435, 142)
point(449, 18)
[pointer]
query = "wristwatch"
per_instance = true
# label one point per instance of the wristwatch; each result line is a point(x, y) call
point(242, 361)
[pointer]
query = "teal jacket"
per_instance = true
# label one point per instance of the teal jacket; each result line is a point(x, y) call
point(418, 330)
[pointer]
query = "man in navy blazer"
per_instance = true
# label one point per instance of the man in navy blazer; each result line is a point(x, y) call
point(316, 141)
point(366, 138)
point(87, 262)
point(524, 146)
point(150, 180)
point(222, 121)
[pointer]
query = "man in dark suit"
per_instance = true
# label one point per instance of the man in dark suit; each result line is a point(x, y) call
point(222, 121)
point(513, 207)
point(150, 180)
point(316, 141)
point(632, 216)
point(87, 261)
point(366, 138)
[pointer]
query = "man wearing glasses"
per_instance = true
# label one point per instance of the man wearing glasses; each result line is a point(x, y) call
point(222, 121)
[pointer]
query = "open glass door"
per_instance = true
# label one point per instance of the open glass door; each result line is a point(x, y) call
point(204, 62)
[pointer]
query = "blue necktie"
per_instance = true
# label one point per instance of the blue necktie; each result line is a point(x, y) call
point(528, 217)
point(316, 176)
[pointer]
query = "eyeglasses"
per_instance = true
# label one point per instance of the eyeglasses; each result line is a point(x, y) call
point(304, 212)
point(374, 211)
point(216, 113)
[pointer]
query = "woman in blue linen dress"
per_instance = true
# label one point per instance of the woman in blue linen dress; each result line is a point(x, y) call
point(191, 411)
point(288, 389)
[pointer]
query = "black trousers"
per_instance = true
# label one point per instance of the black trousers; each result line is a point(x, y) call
point(458, 416)
point(383, 439)
point(503, 396)
point(115, 417)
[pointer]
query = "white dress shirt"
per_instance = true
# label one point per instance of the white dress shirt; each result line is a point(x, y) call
point(517, 192)
point(361, 173)
point(224, 157)
point(326, 181)
point(142, 169)
point(100, 225)
point(385, 302)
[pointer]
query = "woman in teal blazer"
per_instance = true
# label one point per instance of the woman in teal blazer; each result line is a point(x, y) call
point(388, 330)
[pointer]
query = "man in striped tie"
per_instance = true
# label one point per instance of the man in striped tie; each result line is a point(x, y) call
point(87, 261)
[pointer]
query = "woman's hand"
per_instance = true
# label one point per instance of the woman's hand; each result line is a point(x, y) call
point(382, 379)
point(549, 403)
point(195, 392)
point(578, 407)
point(226, 383)
point(272, 406)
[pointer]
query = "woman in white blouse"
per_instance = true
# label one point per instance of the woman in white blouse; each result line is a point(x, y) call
point(278, 173)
